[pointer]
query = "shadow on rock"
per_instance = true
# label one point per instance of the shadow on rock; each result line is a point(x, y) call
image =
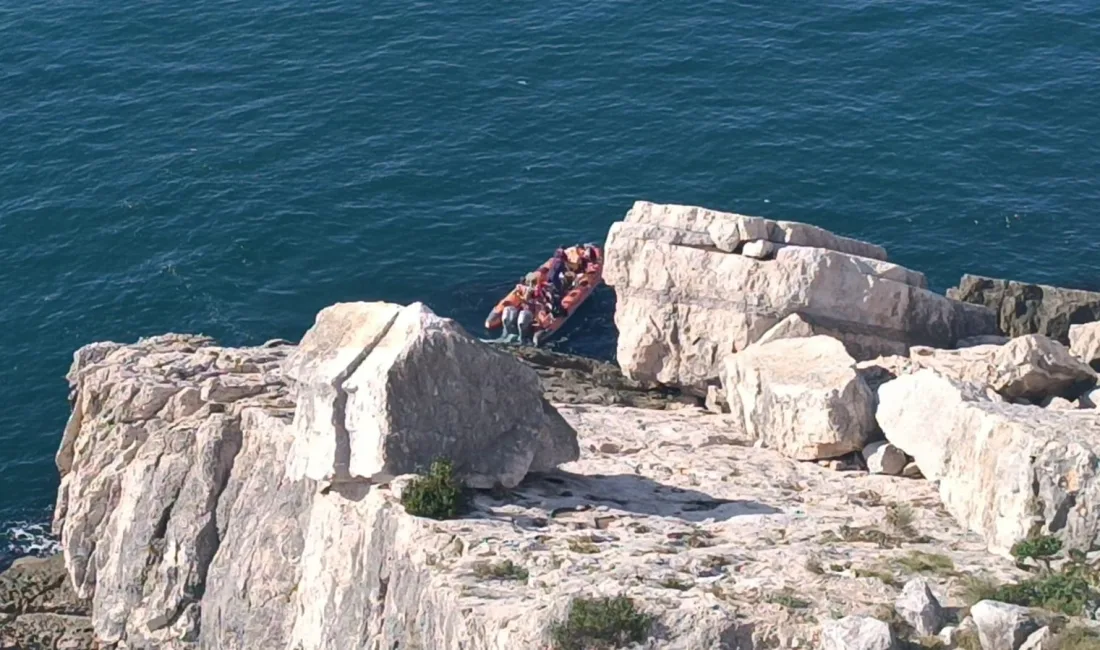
point(561, 492)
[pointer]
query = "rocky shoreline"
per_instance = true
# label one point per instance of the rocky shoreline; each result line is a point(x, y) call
point(799, 447)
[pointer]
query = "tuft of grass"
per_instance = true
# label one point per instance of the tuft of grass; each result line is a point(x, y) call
point(1077, 638)
point(900, 518)
point(787, 599)
point(921, 562)
point(435, 495)
point(583, 545)
point(813, 565)
point(675, 583)
point(885, 576)
point(598, 623)
point(506, 570)
point(968, 640)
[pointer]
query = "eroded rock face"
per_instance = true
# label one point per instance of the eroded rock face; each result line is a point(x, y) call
point(802, 397)
point(399, 387)
point(686, 299)
point(1030, 308)
point(145, 463)
point(675, 509)
point(1004, 470)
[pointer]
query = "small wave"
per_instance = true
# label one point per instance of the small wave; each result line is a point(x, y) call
point(23, 538)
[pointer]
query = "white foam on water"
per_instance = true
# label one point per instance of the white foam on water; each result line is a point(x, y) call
point(22, 538)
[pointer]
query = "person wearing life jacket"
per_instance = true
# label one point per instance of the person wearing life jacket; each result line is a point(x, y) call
point(513, 316)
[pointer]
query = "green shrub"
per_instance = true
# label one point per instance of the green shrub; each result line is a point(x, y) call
point(436, 495)
point(506, 570)
point(1041, 546)
point(1067, 591)
point(601, 624)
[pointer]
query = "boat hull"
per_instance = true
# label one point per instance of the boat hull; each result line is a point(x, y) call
point(545, 323)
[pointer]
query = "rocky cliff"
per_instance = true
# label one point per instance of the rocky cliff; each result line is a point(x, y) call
point(843, 491)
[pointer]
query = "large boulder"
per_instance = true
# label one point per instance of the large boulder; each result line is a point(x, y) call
point(802, 397)
point(1031, 367)
point(1084, 343)
point(401, 386)
point(1030, 308)
point(687, 298)
point(1005, 471)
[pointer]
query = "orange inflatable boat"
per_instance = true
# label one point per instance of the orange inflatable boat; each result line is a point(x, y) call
point(583, 274)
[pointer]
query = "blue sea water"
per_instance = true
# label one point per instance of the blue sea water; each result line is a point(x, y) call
point(232, 167)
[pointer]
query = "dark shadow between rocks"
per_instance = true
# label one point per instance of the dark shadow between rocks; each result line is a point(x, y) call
point(562, 491)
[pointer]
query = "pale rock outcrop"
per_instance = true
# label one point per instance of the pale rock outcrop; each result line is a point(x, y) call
point(802, 397)
point(1002, 626)
point(387, 389)
point(1030, 308)
point(918, 607)
point(856, 633)
point(1031, 367)
point(228, 551)
point(684, 303)
point(145, 465)
point(1004, 470)
point(1084, 343)
point(884, 458)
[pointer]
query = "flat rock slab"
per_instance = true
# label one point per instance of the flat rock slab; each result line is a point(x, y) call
point(716, 539)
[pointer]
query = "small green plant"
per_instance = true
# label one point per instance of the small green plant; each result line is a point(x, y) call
point(435, 495)
point(921, 562)
point(1077, 638)
point(601, 623)
point(968, 640)
point(1039, 548)
point(506, 570)
point(900, 518)
point(885, 576)
point(583, 545)
point(813, 565)
point(787, 599)
point(1067, 591)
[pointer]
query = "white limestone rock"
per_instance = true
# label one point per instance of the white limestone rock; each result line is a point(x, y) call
point(801, 397)
point(1084, 342)
point(1002, 626)
point(1031, 367)
point(404, 387)
point(760, 249)
point(918, 607)
point(856, 633)
point(1004, 470)
point(1041, 639)
point(681, 308)
point(884, 458)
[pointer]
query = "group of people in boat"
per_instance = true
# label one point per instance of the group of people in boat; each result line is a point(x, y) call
point(541, 293)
